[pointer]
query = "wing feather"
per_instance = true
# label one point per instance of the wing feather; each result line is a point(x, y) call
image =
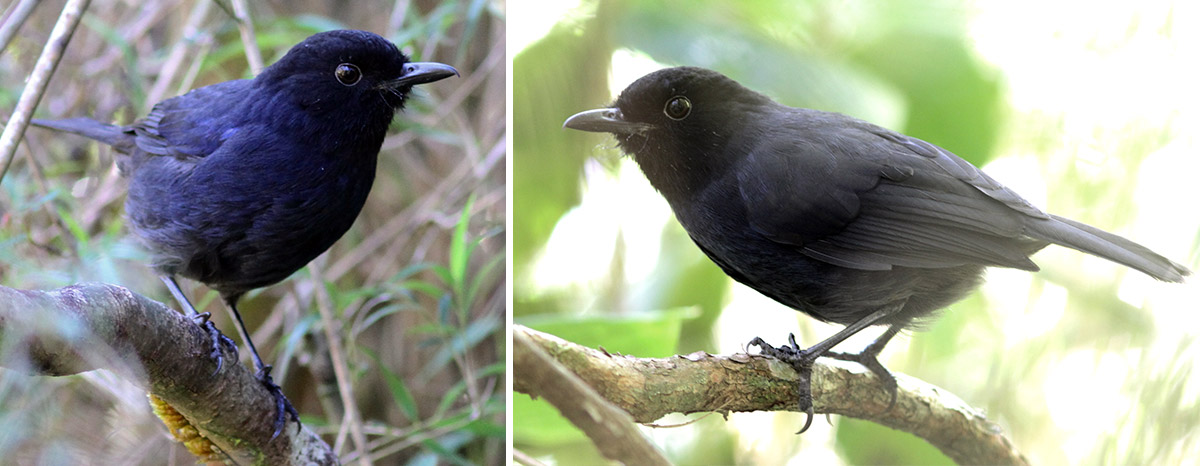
point(189, 126)
point(868, 198)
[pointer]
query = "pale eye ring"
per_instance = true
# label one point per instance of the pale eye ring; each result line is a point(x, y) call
point(348, 74)
point(678, 108)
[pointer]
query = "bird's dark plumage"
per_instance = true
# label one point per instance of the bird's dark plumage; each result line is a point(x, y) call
point(844, 220)
point(239, 184)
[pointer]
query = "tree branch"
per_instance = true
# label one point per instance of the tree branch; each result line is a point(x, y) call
point(610, 428)
point(92, 326)
point(38, 80)
point(650, 388)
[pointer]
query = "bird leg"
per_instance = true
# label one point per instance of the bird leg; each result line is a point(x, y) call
point(283, 407)
point(201, 319)
point(802, 360)
point(868, 359)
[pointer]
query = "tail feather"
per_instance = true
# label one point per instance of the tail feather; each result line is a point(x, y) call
point(1100, 243)
point(112, 135)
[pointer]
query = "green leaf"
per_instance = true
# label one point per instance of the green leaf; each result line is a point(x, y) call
point(444, 447)
point(379, 313)
point(449, 398)
point(295, 337)
point(114, 38)
point(425, 287)
point(401, 395)
point(483, 277)
point(81, 236)
point(462, 341)
point(460, 252)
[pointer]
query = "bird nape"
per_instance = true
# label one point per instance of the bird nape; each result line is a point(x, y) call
point(239, 184)
point(838, 218)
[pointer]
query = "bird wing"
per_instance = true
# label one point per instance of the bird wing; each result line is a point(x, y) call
point(863, 197)
point(194, 124)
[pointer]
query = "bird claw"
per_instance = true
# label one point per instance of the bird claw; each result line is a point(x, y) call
point(218, 339)
point(868, 358)
point(283, 407)
point(802, 362)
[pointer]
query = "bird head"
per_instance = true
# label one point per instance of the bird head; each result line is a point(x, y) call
point(330, 70)
point(676, 122)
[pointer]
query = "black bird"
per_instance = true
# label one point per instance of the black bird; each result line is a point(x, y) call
point(239, 184)
point(835, 217)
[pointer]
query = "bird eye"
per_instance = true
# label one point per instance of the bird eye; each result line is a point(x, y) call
point(347, 74)
point(678, 108)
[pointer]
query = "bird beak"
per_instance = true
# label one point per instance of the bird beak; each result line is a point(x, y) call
point(421, 73)
point(605, 120)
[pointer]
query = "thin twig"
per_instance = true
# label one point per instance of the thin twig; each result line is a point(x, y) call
point(392, 440)
point(189, 77)
point(332, 326)
point(43, 186)
point(38, 80)
point(13, 23)
point(178, 53)
point(138, 27)
point(246, 29)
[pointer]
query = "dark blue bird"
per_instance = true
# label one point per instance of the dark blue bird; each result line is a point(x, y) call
point(237, 185)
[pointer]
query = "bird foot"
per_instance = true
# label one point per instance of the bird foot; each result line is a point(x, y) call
point(868, 358)
point(218, 339)
point(802, 362)
point(283, 407)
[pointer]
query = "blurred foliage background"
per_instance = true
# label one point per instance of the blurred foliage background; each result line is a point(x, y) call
point(418, 282)
point(1092, 116)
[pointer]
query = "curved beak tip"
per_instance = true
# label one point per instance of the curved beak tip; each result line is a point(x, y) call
point(604, 120)
point(594, 120)
point(423, 73)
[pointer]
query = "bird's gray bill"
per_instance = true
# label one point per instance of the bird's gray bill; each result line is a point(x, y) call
point(422, 73)
point(604, 120)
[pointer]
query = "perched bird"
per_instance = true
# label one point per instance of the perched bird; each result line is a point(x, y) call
point(835, 217)
point(239, 184)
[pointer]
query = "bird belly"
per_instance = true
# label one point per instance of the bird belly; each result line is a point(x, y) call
point(235, 236)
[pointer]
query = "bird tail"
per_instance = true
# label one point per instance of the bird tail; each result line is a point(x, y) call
point(112, 135)
point(1100, 243)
